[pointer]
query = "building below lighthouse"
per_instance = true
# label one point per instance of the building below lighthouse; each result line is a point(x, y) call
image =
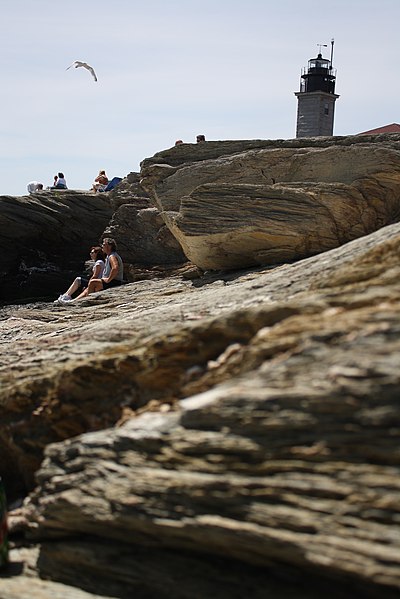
point(316, 98)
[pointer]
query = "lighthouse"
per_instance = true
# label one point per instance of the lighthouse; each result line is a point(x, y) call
point(316, 98)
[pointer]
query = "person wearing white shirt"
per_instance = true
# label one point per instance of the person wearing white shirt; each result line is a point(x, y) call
point(97, 257)
point(61, 182)
point(34, 186)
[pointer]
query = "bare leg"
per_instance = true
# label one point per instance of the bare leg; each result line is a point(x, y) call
point(74, 287)
point(94, 285)
point(82, 295)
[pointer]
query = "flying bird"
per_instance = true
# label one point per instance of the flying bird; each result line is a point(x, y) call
point(85, 65)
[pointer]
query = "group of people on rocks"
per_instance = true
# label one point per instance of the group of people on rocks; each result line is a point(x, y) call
point(99, 184)
point(107, 269)
point(107, 272)
point(58, 183)
point(199, 139)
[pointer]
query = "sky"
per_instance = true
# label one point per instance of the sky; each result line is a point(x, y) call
point(172, 69)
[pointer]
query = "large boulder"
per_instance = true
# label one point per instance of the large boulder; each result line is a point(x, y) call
point(143, 238)
point(242, 205)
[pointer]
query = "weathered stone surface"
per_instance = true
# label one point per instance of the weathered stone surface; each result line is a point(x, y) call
point(129, 191)
point(145, 574)
point(143, 238)
point(274, 445)
point(21, 581)
point(47, 236)
point(233, 205)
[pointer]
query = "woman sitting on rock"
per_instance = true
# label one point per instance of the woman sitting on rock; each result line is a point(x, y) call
point(60, 182)
point(81, 283)
point(101, 181)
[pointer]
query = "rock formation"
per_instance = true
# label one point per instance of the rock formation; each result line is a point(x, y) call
point(286, 200)
point(47, 236)
point(143, 238)
point(238, 433)
point(233, 433)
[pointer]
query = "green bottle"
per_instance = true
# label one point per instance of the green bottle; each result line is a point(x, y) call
point(3, 527)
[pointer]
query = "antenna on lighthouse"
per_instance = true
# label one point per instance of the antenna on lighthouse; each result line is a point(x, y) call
point(322, 46)
point(332, 43)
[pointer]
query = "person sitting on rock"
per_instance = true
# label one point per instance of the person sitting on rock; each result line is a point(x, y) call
point(59, 182)
point(200, 138)
point(81, 283)
point(113, 274)
point(101, 182)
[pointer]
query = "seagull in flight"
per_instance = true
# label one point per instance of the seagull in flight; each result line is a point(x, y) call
point(85, 65)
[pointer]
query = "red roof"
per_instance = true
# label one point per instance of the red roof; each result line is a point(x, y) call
point(393, 128)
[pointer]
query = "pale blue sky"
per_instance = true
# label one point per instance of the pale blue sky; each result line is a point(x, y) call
point(171, 69)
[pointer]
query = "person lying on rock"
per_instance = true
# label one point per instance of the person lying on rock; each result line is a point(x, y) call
point(113, 274)
point(81, 283)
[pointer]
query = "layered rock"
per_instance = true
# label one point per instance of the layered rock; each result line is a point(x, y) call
point(47, 236)
point(238, 204)
point(143, 238)
point(129, 191)
point(274, 443)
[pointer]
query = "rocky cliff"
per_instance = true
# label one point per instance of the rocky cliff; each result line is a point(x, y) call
point(232, 435)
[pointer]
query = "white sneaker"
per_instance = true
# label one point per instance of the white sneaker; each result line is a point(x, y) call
point(63, 299)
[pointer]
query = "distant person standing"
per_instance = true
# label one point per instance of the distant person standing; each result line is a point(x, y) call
point(200, 138)
point(34, 186)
